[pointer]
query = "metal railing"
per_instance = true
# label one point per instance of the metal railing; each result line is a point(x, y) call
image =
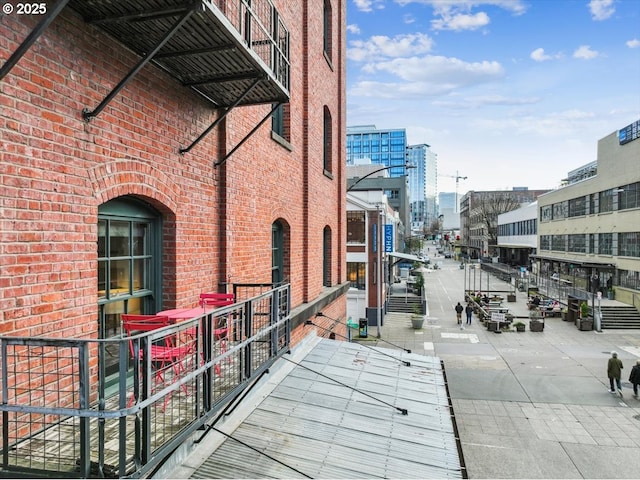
point(62, 418)
point(263, 31)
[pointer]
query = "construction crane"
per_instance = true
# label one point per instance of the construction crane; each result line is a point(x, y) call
point(458, 177)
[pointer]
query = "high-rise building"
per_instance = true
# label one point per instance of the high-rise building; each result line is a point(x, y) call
point(422, 186)
point(367, 144)
point(446, 200)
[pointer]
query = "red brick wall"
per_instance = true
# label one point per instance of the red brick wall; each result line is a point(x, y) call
point(56, 169)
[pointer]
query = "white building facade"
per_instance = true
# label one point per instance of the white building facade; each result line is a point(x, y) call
point(518, 235)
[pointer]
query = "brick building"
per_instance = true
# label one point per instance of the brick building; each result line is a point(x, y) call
point(130, 186)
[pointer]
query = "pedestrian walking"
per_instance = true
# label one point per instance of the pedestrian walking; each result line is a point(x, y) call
point(459, 308)
point(634, 378)
point(469, 311)
point(614, 370)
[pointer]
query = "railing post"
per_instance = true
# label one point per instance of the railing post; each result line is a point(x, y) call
point(248, 325)
point(123, 365)
point(85, 434)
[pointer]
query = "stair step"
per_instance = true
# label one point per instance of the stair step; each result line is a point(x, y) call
point(402, 304)
point(620, 317)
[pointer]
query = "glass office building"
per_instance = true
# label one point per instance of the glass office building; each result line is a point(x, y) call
point(367, 144)
point(423, 186)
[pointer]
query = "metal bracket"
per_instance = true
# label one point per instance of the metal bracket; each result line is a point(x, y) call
point(32, 37)
point(246, 137)
point(88, 115)
point(222, 116)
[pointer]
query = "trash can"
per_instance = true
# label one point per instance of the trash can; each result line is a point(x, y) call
point(362, 328)
point(351, 326)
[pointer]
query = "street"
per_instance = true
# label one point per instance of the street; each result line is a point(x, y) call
point(528, 405)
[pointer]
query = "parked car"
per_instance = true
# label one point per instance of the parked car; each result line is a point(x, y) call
point(447, 255)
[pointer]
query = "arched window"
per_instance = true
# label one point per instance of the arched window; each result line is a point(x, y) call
point(327, 140)
point(326, 257)
point(327, 29)
point(129, 256)
point(279, 252)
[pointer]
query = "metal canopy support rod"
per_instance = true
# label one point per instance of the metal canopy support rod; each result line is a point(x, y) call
point(32, 37)
point(253, 130)
point(88, 115)
point(222, 117)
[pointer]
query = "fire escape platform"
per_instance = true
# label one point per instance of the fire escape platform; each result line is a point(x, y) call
point(243, 54)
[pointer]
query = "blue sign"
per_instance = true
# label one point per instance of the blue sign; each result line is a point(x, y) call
point(388, 238)
point(629, 133)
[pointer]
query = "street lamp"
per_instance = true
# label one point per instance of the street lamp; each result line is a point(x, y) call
point(406, 167)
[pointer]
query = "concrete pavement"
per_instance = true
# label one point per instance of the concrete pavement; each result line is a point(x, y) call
point(529, 404)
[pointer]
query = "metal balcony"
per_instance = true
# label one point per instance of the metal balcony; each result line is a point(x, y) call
point(218, 48)
point(62, 417)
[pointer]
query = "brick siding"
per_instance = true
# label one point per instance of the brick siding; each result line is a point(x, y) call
point(57, 169)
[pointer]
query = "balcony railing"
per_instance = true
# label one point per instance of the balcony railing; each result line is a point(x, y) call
point(61, 417)
point(263, 31)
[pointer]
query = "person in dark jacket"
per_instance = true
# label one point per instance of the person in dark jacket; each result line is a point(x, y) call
point(459, 308)
point(614, 370)
point(634, 378)
point(469, 311)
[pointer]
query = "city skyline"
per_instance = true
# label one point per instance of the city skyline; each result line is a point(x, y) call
point(507, 93)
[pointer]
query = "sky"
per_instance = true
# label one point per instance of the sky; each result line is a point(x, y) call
point(508, 93)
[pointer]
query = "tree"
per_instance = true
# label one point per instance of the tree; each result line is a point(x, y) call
point(433, 228)
point(486, 212)
point(413, 245)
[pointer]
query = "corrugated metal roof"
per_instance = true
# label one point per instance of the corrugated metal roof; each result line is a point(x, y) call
point(326, 430)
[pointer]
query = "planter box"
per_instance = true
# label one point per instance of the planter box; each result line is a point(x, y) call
point(536, 326)
point(585, 324)
point(511, 297)
point(496, 326)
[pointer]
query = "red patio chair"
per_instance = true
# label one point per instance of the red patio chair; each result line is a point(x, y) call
point(164, 353)
point(222, 330)
point(216, 299)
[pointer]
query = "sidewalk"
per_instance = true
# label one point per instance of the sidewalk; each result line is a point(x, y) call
point(530, 404)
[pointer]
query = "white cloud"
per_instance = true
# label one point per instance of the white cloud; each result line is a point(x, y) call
point(585, 53)
point(539, 56)
point(517, 7)
point(368, 5)
point(635, 43)
point(353, 28)
point(408, 19)
point(381, 46)
point(438, 69)
point(426, 76)
point(482, 100)
point(461, 21)
point(457, 15)
point(601, 9)
point(553, 124)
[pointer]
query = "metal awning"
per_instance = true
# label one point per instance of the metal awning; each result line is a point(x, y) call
point(579, 263)
point(307, 424)
point(406, 256)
